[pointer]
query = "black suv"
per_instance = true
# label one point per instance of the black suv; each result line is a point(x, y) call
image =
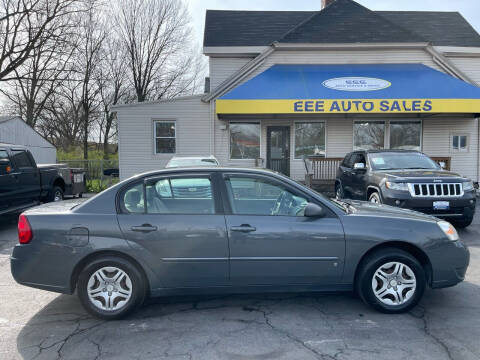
point(406, 179)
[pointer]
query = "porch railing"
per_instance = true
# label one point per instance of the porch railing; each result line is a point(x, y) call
point(444, 161)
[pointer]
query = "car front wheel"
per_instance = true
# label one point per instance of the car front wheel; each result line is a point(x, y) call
point(391, 281)
point(110, 288)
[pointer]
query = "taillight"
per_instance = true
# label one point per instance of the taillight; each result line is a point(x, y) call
point(24, 230)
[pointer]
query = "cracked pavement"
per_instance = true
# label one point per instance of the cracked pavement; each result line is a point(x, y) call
point(36, 324)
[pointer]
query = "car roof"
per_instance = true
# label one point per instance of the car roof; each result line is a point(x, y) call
point(189, 169)
point(193, 157)
point(387, 151)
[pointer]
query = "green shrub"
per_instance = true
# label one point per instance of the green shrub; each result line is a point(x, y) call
point(97, 185)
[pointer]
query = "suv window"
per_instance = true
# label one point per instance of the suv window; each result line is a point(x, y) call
point(21, 159)
point(192, 195)
point(256, 196)
point(358, 158)
point(346, 160)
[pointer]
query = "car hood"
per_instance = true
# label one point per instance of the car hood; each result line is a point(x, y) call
point(365, 208)
point(421, 174)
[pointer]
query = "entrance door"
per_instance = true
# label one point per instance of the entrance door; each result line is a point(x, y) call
point(278, 149)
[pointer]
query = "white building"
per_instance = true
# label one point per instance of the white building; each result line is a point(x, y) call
point(13, 130)
point(284, 85)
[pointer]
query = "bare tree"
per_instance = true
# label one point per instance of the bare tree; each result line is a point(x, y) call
point(113, 89)
point(39, 75)
point(156, 36)
point(23, 25)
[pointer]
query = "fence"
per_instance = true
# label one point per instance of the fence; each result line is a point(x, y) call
point(95, 169)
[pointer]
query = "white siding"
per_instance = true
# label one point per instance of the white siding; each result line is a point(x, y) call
point(17, 132)
point(470, 66)
point(409, 56)
point(221, 68)
point(136, 144)
point(436, 142)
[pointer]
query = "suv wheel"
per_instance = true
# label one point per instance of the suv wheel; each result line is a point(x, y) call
point(110, 288)
point(391, 281)
point(339, 192)
point(375, 198)
point(463, 222)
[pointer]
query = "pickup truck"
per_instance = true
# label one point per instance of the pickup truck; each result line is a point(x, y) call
point(23, 183)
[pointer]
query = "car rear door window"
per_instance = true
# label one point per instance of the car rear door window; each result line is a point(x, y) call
point(257, 196)
point(132, 200)
point(189, 195)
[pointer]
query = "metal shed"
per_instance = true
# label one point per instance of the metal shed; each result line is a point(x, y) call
point(13, 130)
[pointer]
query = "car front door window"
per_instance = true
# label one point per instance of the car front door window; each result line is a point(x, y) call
point(255, 196)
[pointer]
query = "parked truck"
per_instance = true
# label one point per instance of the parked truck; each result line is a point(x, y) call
point(23, 183)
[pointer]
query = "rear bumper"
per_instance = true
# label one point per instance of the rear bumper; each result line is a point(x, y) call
point(461, 207)
point(28, 269)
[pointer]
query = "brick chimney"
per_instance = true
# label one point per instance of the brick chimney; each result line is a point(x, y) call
point(325, 3)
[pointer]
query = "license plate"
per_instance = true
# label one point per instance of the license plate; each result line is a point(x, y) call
point(441, 205)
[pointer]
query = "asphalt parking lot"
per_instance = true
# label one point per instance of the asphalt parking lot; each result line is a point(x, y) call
point(35, 324)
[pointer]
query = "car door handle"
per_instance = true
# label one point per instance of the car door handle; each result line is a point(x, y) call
point(243, 228)
point(144, 228)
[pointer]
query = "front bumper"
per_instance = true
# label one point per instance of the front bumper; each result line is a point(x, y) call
point(449, 263)
point(460, 207)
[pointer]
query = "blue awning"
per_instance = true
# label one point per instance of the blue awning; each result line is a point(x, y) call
point(373, 88)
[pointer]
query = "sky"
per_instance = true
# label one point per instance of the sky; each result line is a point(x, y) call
point(470, 9)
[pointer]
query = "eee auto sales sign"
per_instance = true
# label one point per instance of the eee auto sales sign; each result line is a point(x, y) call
point(356, 84)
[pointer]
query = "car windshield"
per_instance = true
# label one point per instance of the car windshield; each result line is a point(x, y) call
point(398, 160)
point(192, 162)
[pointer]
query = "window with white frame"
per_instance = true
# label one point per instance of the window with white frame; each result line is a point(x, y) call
point(165, 137)
point(460, 142)
point(368, 135)
point(405, 135)
point(309, 139)
point(244, 141)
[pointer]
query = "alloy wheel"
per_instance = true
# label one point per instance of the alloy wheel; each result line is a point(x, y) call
point(109, 288)
point(394, 283)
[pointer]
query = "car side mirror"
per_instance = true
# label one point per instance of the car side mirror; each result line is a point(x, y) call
point(313, 210)
point(359, 166)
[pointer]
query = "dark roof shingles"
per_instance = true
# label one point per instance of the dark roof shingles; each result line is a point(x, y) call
point(342, 22)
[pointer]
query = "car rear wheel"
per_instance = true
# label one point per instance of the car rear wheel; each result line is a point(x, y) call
point(111, 288)
point(375, 198)
point(391, 281)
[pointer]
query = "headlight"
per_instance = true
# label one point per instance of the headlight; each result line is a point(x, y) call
point(396, 186)
point(448, 230)
point(468, 186)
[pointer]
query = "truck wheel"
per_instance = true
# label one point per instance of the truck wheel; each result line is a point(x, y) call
point(462, 223)
point(391, 280)
point(111, 287)
point(375, 198)
point(56, 194)
point(339, 195)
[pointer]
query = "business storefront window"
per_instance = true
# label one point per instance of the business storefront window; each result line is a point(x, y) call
point(309, 139)
point(165, 137)
point(405, 135)
point(369, 135)
point(244, 141)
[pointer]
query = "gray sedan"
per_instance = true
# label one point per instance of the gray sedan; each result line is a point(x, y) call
point(225, 230)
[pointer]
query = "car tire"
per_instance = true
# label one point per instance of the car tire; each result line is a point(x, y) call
point(395, 292)
point(375, 198)
point(109, 299)
point(56, 194)
point(462, 223)
point(339, 194)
